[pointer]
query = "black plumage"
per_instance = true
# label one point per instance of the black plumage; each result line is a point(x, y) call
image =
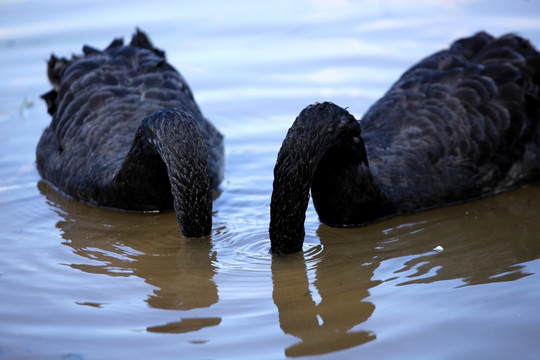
point(463, 123)
point(127, 133)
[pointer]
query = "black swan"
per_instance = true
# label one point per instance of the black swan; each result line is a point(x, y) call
point(462, 124)
point(126, 133)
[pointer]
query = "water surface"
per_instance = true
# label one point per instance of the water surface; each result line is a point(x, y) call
point(81, 282)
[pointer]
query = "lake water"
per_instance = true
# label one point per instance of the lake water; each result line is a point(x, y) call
point(80, 282)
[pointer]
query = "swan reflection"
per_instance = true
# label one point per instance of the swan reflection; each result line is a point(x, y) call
point(478, 249)
point(179, 269)
point(329, 325)
point(326, 297)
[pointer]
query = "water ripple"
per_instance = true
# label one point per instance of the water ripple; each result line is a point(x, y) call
point(247, 252)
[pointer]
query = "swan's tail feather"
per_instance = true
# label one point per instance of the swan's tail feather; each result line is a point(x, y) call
point(89, 50)
point(50, 100)
point(56, 67)
point(117, 42)
point(141, 40)
point(55, 71)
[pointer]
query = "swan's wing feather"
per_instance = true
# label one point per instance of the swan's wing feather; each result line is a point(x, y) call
point(129, 80)
point(98, 102)
point(459, 121)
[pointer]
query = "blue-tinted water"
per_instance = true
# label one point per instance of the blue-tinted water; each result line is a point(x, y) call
point(80, 282)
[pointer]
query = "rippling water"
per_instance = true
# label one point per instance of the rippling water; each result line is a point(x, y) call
point(80, 282)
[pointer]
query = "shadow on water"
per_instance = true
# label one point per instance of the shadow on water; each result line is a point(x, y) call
point(322, 295)
point(143, 245)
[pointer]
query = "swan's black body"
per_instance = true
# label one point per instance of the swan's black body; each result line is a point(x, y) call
point(462, 124)
point(126, 133)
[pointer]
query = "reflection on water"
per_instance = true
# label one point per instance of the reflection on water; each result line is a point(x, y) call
point(325, 326)
point(179, 269)
point(478, 250)
point(323, 295)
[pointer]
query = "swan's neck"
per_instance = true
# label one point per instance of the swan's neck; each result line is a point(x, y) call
point(169, 159)
point(324, 151)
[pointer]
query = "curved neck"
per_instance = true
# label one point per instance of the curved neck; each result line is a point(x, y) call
point(316, 131)
point(169, 161)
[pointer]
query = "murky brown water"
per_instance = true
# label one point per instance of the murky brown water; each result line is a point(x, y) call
point(80, 282)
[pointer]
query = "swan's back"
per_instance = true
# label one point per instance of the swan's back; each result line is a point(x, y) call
point(98, 102)
point(462, 123)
